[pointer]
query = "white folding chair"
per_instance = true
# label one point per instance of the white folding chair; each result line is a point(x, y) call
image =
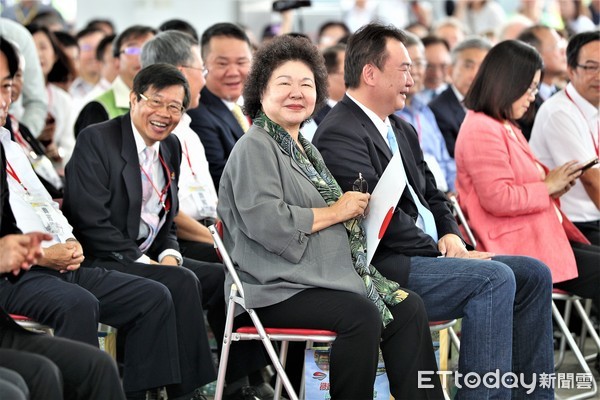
point(562, 320)
point(462, 219)
point(258, 331)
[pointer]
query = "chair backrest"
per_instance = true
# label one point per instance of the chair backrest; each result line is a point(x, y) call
point(216, 231)
point(462, 219)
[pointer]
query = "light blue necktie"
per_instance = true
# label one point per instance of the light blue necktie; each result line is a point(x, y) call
point(425, 221)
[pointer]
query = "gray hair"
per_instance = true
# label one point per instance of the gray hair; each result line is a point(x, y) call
point(473, 42)
point(412, 40)
point(169, 47)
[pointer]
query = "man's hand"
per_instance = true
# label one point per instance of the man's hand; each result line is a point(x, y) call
point(63, 257)
point(19, 252)
point(450, 245)
point(169, 260)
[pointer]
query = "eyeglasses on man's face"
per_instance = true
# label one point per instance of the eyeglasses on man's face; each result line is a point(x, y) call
point(533, 90)
point(131, 51)
point(589, 68)
point(175, 109)
point(203, 69)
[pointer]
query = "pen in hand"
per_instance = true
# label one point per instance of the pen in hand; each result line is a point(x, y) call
point(360, 185)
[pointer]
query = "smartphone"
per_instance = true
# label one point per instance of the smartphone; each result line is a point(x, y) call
point(588, 164)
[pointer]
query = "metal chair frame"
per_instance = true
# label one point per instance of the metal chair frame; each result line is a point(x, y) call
point(259, 332)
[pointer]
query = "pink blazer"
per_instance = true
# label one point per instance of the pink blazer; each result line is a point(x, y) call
point(505, 199)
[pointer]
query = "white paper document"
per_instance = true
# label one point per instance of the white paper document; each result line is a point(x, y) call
point(384, 200)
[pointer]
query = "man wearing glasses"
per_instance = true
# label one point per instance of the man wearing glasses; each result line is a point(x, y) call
point(114, 102)
point(121, 198)
point(566, 128)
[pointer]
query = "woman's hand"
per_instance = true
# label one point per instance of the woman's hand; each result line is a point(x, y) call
point(348, 206)
point(351, 205)
point(561, 179)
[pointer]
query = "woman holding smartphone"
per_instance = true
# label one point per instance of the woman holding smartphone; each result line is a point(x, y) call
point(510, 199)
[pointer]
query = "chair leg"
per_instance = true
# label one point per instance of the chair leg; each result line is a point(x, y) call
point(576, 352)
point(587, 326)
point(227, 337)
point(273, 356)
point(282, 359)
point(454, 338)
point(563, 339)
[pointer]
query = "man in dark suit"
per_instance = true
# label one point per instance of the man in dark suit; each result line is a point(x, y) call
point(422, 248)
point(218, 120)
point(447, 107)
point(121, 198)
point(51, 367)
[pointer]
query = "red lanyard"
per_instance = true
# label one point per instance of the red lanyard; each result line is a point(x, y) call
point(164, 190)
point(187, 157)
point(14, 175)
point(594, 142)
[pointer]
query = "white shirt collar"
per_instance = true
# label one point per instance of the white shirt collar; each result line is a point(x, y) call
point(4, 134)
point(458, 94)
point(139, 142)
point(231, 104)
point(382, 126)
point(331, 103)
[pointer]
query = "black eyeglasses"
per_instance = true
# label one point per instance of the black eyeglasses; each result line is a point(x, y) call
point(589, 69)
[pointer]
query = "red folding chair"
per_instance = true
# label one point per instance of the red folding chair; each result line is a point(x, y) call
point(31, 325)
point(258, 331)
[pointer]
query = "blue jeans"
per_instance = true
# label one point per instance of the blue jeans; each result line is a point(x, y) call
point(505, 306)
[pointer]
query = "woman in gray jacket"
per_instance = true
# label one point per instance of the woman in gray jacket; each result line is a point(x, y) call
point(298, 242)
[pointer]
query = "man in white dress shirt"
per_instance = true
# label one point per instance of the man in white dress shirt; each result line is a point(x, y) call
point(566, 128)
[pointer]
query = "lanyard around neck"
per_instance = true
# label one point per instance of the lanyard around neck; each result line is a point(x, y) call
point(162, 192)
point(594, 142)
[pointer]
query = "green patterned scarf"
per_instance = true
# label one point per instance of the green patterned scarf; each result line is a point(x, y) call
point(380, 290)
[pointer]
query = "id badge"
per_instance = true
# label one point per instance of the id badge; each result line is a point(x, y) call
point(47, 213)
point(201, 200)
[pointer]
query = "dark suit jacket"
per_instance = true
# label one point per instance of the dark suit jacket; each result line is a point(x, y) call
point(350, 143)
point(103, 192)
point(449, 115)
point(218, 130)
point(320, 116)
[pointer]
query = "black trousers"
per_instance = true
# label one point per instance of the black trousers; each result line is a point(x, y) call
point(587, 284)
point(193, 353)
point(591, 230)
point(73, 303)
point(55, 367)
point(198, 251)
point(12, 385)
point(405, 343)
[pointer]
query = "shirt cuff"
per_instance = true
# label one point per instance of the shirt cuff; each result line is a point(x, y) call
point(144, 259)
point(169, 252)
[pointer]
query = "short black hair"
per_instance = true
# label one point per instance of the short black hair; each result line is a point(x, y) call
point(97, 22)
point(576, 43)
point(103, 45)
point(530, 35)
point(160, 76)
point(432, 39)
point(329, 24)
point(11, 54)
point(179, 25)
point(134, 31)
point(504, 76)
point(226, 29)
point(330, 56)
point(368, 46)
point(66, 39)
point(87, 32)
point(271, 56)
